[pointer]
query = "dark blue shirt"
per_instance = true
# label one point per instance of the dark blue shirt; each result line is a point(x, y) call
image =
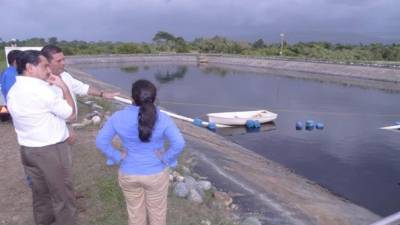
point(141, 156)
point(8, 78)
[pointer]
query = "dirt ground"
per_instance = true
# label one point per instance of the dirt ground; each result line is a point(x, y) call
point(15, 195)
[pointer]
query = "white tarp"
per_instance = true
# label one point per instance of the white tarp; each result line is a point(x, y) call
point(8, 49)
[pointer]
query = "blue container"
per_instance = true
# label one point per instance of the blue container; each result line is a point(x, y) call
point(250, 124)
point(319, 126)
point(212, 126)
point(198, 122)
point(299, 125)
point(310, 124)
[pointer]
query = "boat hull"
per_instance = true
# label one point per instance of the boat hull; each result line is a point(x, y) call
point(240, 118)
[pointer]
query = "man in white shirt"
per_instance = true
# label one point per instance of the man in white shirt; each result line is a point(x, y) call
point(39, 117)
point(56, 58)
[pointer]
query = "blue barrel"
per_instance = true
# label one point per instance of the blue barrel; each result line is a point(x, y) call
point(299, 125)
point(310, 124)
point(319, 126)
point(250, 124)
point(198, 122)
point(212, 126)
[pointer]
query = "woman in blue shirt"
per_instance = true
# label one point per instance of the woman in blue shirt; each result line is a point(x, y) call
point(143, 174)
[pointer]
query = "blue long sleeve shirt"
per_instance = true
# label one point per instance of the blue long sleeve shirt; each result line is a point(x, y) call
point(8, 78)
point(141, 158)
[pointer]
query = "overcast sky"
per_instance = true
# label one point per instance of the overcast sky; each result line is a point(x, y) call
point(345, 21)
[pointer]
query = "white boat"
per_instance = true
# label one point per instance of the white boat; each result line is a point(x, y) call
point(395, 127)
point(240, 118)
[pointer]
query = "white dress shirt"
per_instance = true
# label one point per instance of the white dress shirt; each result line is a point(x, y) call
point(75, 87)
point(38, 113)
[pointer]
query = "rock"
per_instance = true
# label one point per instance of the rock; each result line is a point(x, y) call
point(200, 191)
point(96, 106)
point(181, 190)
point(206, 222)
point(251, 220)
point(171, 177)
point(194, 196)
point(84, 123)
point(214, 204)
point(190, 182)
point(92, 114)
point(234, 207)
point(96, 120)
point(186, 171)
point(223, 197)
point(204, 185)
point(175, 173)
point(180, 179)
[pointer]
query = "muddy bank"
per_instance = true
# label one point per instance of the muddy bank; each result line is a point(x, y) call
point(280, 196)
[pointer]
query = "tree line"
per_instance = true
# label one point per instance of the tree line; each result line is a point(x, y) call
point(167, 42)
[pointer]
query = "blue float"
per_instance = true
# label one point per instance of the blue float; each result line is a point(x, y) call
point(310, 124)
point(250, 124)
point(299, 125)
point(212, 126)
point(319, 126)
point(257, 124)
point(198, 122)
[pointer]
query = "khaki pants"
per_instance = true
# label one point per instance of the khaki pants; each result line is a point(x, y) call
point(146, 197)
point(52, 190)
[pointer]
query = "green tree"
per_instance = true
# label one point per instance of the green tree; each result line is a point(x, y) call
point(258, 44)
point(52, 40)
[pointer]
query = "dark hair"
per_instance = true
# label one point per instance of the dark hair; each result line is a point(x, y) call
point(12, 56)
point(144, 94)
point(49, 50)
point(25, 57)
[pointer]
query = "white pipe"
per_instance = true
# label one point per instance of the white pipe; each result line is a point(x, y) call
point(184, 118)
point(389, 220)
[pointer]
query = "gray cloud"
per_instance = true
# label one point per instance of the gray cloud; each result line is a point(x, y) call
point(134, 20)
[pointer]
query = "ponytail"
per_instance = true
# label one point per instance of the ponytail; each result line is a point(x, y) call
point(146, 118)
point(144, 94)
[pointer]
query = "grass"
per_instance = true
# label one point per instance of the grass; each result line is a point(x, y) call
point(106, 104)
point(111, 209)
point(112, 201)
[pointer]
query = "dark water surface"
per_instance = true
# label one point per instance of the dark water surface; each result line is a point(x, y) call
point(351, 156)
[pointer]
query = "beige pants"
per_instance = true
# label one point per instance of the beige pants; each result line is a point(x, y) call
point(146, 197)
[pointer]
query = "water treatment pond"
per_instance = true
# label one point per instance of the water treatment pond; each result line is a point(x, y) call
point(351, 156)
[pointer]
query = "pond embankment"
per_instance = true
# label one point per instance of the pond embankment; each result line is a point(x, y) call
point(357, 75)
point(281, 196)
